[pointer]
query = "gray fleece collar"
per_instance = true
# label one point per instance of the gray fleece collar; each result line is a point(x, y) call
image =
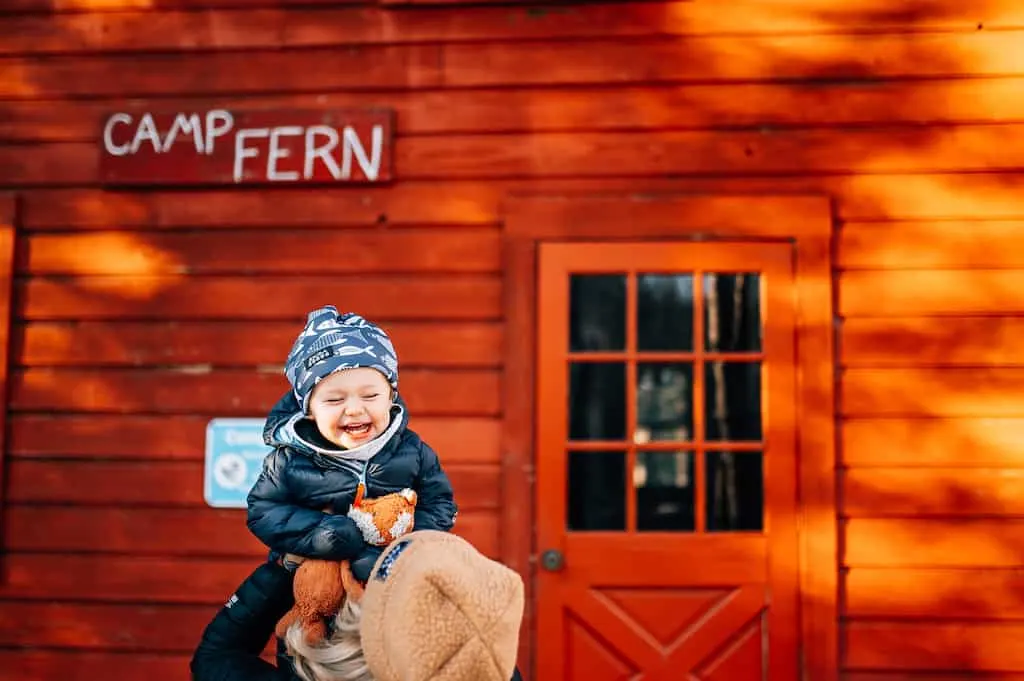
point(288, 435)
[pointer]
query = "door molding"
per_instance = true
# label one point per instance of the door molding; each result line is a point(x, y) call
point(804, 221)
point(8, 217)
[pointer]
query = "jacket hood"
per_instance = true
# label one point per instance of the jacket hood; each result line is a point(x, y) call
point(287, 426)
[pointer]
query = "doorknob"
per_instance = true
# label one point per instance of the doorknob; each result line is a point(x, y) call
point(552, 560)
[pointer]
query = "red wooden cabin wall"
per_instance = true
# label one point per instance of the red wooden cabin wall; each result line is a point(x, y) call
point(135, 312)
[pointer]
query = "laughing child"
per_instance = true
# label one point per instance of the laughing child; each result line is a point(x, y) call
point(341, 427)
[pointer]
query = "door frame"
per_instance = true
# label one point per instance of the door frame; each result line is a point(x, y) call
point(9, 205)
point(802, 220)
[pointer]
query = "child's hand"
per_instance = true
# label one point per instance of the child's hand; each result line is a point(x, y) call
point(289, 561)
point(363, 565)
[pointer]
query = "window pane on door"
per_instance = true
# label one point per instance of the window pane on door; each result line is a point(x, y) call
point(597, 401)
point(664, 485)
point(664, 312)
point(732, 312)
point(596, 491)
point(597, 312)
point(732, 401)
point(734, 492)
point(664, 402)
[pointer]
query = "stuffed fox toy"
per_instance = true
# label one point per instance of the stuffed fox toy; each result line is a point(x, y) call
point(320, 586)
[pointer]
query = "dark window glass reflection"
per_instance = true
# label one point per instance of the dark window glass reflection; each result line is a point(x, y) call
point(597, 491)
point(665, 312)
point(732, 312)
point(734, 492)
point(664, 491)
point(664, 402)
point(597, 312)
point(732, 401)
point(597, 401)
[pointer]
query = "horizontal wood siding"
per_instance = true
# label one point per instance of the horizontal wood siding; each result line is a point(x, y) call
point(135, 312)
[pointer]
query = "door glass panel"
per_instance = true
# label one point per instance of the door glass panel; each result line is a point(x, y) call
point(597, 401)
point(732, 401)
point(664, 402)
point(732, 312)
point(597, 491)
point(597, 312)
point(664, 491)
point(664, 312)
point(664, 483)
point(734, 492)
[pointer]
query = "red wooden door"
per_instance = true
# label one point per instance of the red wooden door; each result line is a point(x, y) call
point(666, 462)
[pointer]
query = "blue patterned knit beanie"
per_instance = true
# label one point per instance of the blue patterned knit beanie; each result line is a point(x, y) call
point(331, 342)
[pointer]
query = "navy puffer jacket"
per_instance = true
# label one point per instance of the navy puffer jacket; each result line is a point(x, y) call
point(304, 474)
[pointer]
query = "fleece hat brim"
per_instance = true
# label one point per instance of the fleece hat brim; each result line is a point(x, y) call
point(436, 609)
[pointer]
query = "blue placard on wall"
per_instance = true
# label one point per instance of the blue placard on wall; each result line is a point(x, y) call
point(234, 459)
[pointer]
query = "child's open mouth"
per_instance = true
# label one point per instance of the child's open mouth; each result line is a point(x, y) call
point(357, 429)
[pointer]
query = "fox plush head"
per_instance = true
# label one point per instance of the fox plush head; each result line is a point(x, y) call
point(385, 519)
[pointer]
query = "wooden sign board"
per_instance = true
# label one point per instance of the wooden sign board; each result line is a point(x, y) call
point(249, 147)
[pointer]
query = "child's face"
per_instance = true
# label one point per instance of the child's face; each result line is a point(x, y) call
point(351, 407)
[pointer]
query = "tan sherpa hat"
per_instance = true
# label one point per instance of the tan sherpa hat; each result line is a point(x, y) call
point(436, 609)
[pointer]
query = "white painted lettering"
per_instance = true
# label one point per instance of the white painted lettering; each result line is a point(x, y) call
point(323, 153)
point(225, 120)
point(275, 152)
point(146, 131)
point(341, 152)
point(108, 134)
point(186, 125)
point(242, 152)
point(352, 145)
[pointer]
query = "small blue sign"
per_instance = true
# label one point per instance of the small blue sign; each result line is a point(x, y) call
point(234, 459)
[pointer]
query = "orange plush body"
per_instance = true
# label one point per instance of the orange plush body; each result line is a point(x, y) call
point(320, 586)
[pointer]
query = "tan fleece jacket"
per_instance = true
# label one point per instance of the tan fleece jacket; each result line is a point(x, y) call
point(452, 613)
